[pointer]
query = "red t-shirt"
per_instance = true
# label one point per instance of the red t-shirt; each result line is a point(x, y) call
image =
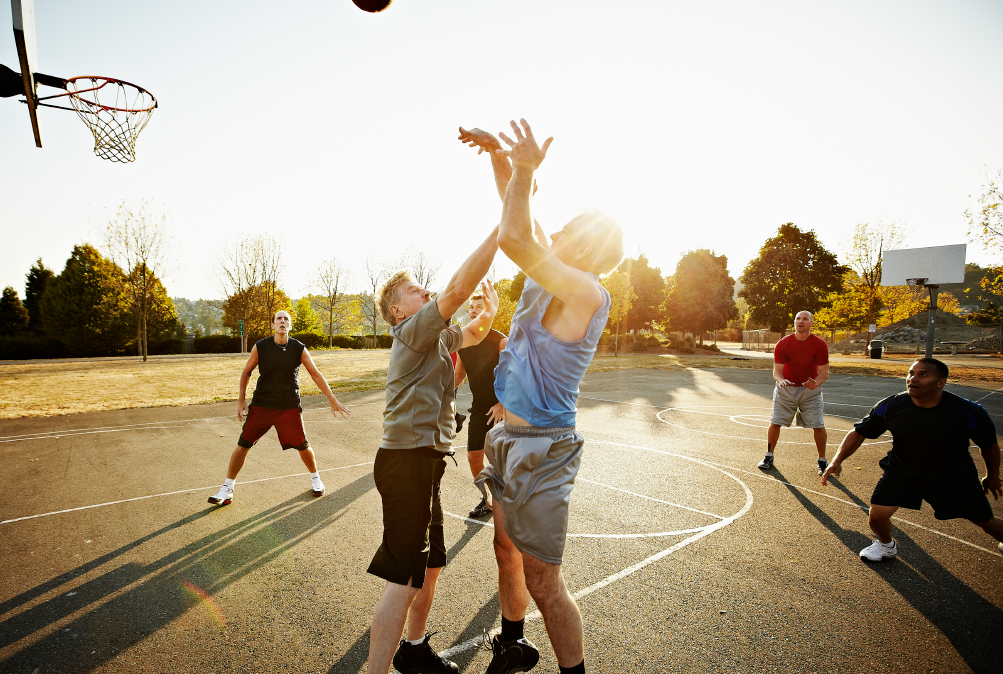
point(801, 359)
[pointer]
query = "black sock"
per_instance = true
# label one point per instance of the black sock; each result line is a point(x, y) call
point(577, 669)
point(511, 629)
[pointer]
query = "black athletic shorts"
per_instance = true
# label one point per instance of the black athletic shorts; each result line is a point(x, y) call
point(476, 430)
point(966, 501)
point(408, 482)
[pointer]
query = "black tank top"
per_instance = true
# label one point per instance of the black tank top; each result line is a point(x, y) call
point(480, 362)
point(278, 386)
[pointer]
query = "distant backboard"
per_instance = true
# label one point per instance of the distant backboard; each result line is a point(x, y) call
point(937, 265)
point(23, 12)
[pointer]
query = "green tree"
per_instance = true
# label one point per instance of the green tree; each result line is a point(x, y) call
point(702, 296)
point(305, 319)
point(37, 280)
point(84, 306)
point(865, 254)
point(13, 316)
point(621, 296)
point(649, 285)
point(793, 272)
point(161, 314)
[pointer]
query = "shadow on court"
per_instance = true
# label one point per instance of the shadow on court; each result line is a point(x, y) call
point(167, 587)
point(964, 617)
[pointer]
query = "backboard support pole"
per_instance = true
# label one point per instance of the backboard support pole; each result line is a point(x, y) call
point(930, 319)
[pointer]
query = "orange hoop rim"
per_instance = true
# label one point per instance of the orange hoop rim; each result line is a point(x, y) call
point(105, 81)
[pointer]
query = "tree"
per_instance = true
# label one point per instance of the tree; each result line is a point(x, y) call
point(649, 285)
point(423, 266)
point(985, 223)
point(84, 306)
point(136, 240)
point(336, 309)
point(847, 308)
point(793, 272)
point(621, 296)
point(37, 279)
point(988, 315)
point(247, 273)
point(13, 316)
point(702, 294)
point(376, 272)
point(867, 246)
point(305, 319)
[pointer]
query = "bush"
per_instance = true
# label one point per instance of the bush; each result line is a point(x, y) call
point(216, 344)
point(684, 345)
point(643, 342)
point(163, 347)
point(347, 342)
point(22, 347)
point(311, 339)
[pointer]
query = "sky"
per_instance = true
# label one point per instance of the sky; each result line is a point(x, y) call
point(696, 125)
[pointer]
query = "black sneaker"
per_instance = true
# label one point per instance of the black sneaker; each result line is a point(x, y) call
point(421, 659)
point(518, 655)
point(460, 418)
point(480, 510)
point(822, 465)
point(766, 463)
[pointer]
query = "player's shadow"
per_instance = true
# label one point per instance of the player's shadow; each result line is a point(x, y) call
point(969, 621)
point(165, 589)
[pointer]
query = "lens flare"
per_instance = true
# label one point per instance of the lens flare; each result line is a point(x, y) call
point(203, 598)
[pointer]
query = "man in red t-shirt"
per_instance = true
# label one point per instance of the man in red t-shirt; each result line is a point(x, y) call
point(800, 367)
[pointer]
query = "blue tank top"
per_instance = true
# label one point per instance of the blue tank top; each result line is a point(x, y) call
point(538, 375)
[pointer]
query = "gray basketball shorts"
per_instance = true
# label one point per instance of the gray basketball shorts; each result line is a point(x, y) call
point(531, 473)
point(797, 401)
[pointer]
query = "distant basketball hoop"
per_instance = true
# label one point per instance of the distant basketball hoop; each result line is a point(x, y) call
point(916, 282)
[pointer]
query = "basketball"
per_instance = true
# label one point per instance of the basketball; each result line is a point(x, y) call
point(372, 5)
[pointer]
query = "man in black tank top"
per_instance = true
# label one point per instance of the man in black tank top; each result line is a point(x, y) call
point(477, 363)
point(276, 402)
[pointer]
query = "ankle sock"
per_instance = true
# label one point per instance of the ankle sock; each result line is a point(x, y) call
point(229, 483)
point(577, 669)
point(416, 642)
point(511, 629)
point(315, 475)
point(769, 453)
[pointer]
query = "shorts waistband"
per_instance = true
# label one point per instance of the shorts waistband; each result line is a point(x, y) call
point(537, 432)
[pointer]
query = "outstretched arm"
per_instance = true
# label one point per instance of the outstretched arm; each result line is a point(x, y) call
point(466, 278)
point(336, 406)
point(477, 329)
point(850, 444)
point(576, 288)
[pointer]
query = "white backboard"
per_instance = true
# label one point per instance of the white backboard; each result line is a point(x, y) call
point(23, 13)
point(937, 264)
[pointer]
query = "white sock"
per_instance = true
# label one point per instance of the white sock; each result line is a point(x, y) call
point(769, 453)
point(416, 642)
point(229, 482)
point(315, 475)
point(888, 545)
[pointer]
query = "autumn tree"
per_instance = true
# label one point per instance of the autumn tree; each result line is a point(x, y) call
point(985, 223)
point(702, 297)
point(247, 273)
point(13, 316)
point(337, 310)
point(36, 281)
point(793, 272)
point(509, 291)
point(305, 319)
point(864, 257)
point(136, 240)
point(649, 285)
point(255, 306)
point(621, 296)
point(84, 306)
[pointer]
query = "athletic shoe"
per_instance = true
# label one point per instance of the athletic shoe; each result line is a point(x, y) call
point(317, 486)
point(1001, 548)
point(766, 463)
point(877, 551)
point(460, 418)
point(518, 655)
point(822, 465)
point(481, 509)
point(421, 659)
point(223, 497)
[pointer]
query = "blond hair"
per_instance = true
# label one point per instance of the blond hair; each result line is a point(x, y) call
point(607, 234)
point(390, 295)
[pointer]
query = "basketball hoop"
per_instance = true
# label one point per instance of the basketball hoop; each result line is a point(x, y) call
point(917, 281)
point(114, 121)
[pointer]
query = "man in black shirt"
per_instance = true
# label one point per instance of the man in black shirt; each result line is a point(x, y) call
point(478, 363)
point(929, 459)
point(276, 402)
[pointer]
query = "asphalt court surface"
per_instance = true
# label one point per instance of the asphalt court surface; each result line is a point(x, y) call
point(683, 555)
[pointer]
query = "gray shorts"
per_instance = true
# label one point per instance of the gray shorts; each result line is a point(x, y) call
point(531, 474)
point(800, 402)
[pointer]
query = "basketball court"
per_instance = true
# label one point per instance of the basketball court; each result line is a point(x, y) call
point(683, 555)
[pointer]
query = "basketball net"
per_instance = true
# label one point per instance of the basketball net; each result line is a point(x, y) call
point(114, 111)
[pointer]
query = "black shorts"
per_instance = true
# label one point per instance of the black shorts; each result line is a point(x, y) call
point(476, 430)
point(408, 482)
point(966, 501)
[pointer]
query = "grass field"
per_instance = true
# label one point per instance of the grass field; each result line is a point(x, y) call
point(46, 388)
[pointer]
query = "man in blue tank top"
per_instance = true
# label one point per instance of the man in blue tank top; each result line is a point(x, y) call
point(535, 454)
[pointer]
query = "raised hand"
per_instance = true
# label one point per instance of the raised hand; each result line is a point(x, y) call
point(482, 140)
point(525, 150)
point(490, 297)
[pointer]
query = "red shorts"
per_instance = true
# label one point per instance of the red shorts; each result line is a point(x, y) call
point(288, 424)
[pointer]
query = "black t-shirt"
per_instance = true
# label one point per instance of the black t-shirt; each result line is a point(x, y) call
point(930, 444)
point(480, 362)
point(278, 386)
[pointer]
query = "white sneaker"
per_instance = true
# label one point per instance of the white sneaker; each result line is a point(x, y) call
point(317, 485)
point(223, 497)
point(877, 551)
point(1001, 548)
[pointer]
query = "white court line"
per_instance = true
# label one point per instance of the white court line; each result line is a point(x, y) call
point(619, 575)
point(634, 493)
point(738, 437)
point(171, 493)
